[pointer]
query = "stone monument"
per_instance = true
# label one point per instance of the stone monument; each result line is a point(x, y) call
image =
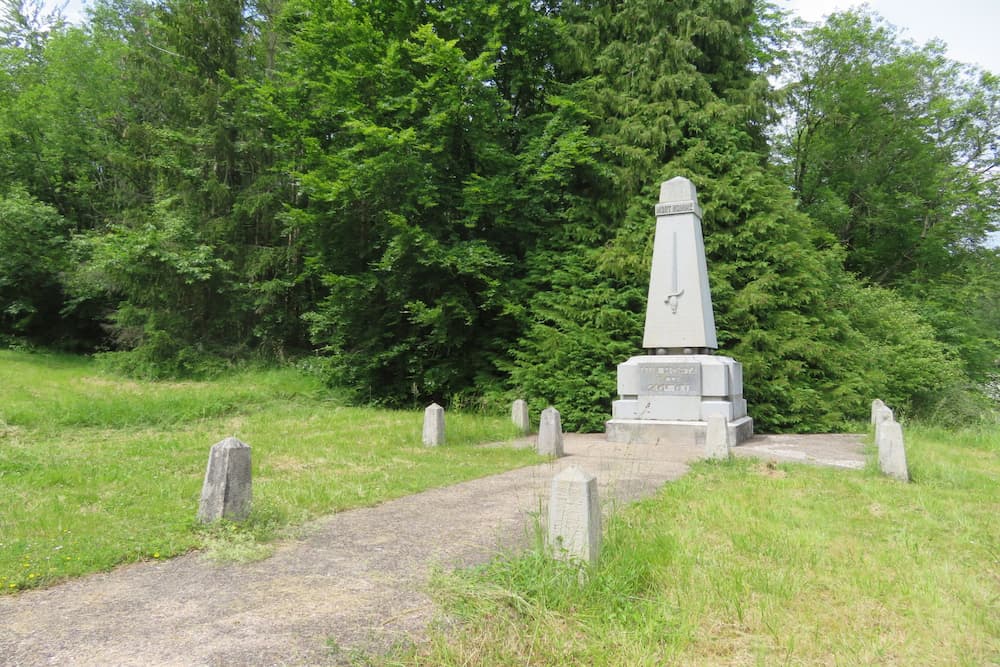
point(668, 394)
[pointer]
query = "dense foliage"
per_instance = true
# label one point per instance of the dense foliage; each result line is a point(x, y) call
point(453, 200)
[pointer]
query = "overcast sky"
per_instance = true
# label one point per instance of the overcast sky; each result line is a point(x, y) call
point(968, 27)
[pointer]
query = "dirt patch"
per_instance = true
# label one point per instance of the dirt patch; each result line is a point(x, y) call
point(770, 469)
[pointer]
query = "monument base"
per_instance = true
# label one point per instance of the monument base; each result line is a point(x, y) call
point(669, 398)
point(665, 432)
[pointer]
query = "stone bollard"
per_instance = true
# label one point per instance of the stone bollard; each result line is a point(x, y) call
point(717, 438)
point(575, 516)
point(550, 436)
point(433, 425)
point(891, 452)
point(519, 415)
point(226, 492)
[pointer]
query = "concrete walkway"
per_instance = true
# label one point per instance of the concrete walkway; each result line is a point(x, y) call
point(355, 581)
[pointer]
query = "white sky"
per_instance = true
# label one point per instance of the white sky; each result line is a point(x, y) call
point(968, 27)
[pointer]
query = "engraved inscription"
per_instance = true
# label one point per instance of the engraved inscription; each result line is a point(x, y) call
point(674, 208)
point(671, 380)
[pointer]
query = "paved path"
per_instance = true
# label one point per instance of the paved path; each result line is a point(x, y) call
point(356, 580)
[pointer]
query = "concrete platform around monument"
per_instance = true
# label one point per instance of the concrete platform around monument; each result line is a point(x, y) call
point(666, 432)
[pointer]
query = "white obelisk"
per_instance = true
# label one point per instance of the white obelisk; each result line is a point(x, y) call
point(679, 307)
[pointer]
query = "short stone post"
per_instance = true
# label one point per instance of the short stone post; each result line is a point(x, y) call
point(226, 492)
point(575, 517)
point(891, 452)
point(550, 436)
point(519, 415)
point(433, 425)
point(717, 438)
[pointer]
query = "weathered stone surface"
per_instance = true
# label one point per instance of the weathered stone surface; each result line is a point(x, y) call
point(671, 432)
point(433, 425)
point(882, 413)
point(679, 307)
point(877, 405)
point(550, 435)
point(519, 415)
point(891, 452)
point(227, 490)
point(659, 391)
point(674, 386)
point(575, 516)
point(717, 442)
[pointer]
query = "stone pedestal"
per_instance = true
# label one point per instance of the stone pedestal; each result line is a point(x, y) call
point(669, 398)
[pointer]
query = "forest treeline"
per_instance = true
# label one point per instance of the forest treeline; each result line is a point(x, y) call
point(453, 200)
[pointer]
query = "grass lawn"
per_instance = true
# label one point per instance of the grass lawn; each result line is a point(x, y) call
point(97, 470)
point(749, 563)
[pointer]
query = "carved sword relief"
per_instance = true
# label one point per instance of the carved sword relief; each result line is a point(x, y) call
point(674, 295)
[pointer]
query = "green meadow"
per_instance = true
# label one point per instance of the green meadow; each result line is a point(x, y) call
point(750, 563)
point(737, 563)
point(97, 470)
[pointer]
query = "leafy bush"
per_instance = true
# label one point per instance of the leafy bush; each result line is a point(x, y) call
point(906, 365)
point(33, 255)
point(169, 285)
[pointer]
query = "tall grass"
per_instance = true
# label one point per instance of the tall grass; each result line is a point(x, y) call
point(747, 563)
point(96, 470)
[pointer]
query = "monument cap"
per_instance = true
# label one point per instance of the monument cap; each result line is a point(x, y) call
point(678, 188)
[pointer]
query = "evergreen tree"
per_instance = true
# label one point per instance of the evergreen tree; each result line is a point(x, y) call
point(419, 161)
